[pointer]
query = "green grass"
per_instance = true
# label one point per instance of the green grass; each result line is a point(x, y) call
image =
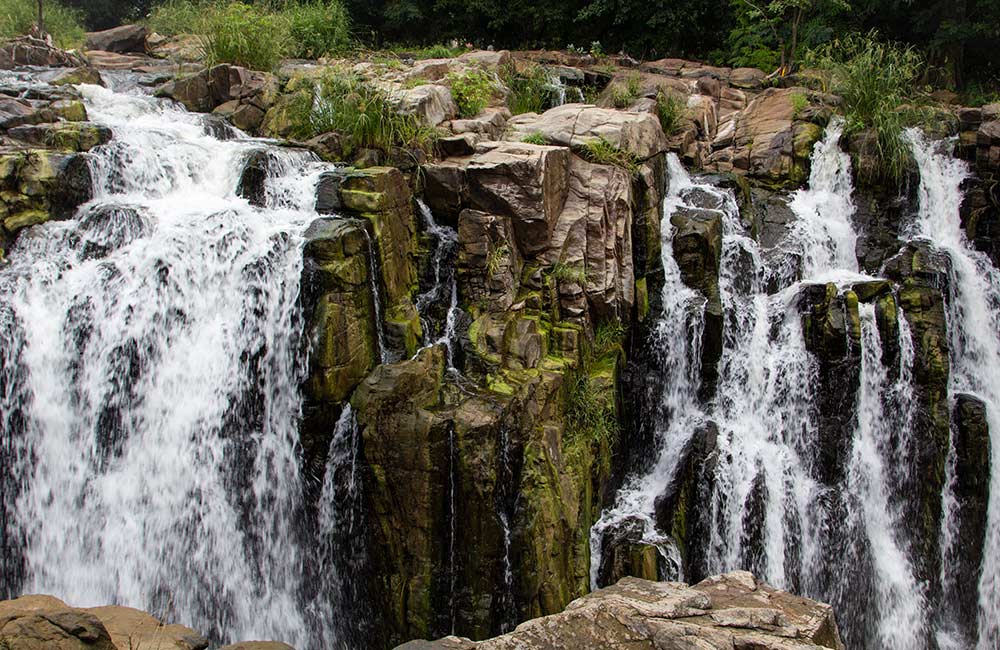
point(570, 273)
point(418, 53)
point(257, 36)
point(602, 152)
point(799, 103)
point(355, 108)
point(496, 259)
point(875, 79)
point(534, 138)
point(670, 111)
point(63, 23)
point(590, 398)
point(624, 95)
point(472, 91)
point(531, 90)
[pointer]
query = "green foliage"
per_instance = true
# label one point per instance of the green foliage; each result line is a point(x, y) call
point(179, 17)
point(63, 23)
point(472, 91)
point(530, 90)
point(602, 152)
point(875, 79)
point(590, 397)
point(608, 336)
point(439, 51)
point(769, 33)
point(245, 35)
point(570, 273)
point(534, 138)
point(799, 103)
point(317, 28)
point(624, 95)
point(352, 106)
point(496, 259)
point(670, 111)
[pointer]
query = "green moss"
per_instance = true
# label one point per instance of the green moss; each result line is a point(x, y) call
point(641, 299)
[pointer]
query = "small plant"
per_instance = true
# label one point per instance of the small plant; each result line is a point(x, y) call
point(590, 407)
point(591, 94)
point(575, 273)
point(534, 138)
point(531, 91)
point(496, 259)
point(472, 91)
point(318, 28)
point(607, 337)
point(602, 152)
point(439, 51)
point(596, 50)
point(799, 103)
point(670, 111)
point(245, 35)
point(624, 95)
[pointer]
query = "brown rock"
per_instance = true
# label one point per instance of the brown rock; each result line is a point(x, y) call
point(123, 39)
point(134, 629)
point(47, 623)
point(575, 125)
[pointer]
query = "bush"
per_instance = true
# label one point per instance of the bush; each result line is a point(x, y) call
point(363, 112)
point(64, 24)
point(245, 35)
point(472, 91)
point(318, 28)
point(670, 111)
point(417, 53)
point(178, 17)
point(875, 79)
point(624, 95)
point(531, 90)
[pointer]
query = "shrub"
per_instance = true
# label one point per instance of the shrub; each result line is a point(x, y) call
point(439, 51)
point(178, 17)
point(63, 23)
point(874, 78)
point(670, 111)
point(496, 259)
point(245, 35)
point(602, 152)
point(799, 103)
point(531, 90)
point(534, 138)
point(472, 91)
point(318, 28)
point(624, 95)
point(363, 112)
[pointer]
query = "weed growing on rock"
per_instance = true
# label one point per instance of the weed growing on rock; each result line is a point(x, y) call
point(799, 103)
point(472, 91)
point(602, 152)
point(497, 257)
point(534, 138)
point(244, 35)
point(670, 111)
point(570, 273)
point(531, 90)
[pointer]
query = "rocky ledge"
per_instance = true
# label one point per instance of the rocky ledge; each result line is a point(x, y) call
point(731, 611)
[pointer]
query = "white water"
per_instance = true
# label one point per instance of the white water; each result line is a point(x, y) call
point(445, 286)
point(156, 393)
point(974, 327)
point(769, 510)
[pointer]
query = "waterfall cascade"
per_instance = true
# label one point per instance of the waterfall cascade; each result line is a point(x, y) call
point(151, 373)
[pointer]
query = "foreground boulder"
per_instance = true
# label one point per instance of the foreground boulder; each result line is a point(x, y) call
point(724, 612)
point(44, 622)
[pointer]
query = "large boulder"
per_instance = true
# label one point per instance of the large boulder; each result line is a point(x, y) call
point(576, 125)
point(27, 50)
point(724, 612)
point(47, 623)
point(430, 104)
point(122, 39)
point(134, 629)
point(243, 95)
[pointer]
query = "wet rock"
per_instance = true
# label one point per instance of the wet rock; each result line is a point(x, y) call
point(725, 612)
point(252, 185)
point(257, 645)
point(213, 87)
point(624, 554)
point(575, 125)
point(76, 76)
point(47, 623)
point(972, 493)
point(27, 50)
point(64, 136)
point(123, 39)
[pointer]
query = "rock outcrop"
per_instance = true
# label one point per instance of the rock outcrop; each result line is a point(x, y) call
point(123, 39)
point(724, 612)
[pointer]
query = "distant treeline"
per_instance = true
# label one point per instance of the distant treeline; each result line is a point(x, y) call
point(960, 38)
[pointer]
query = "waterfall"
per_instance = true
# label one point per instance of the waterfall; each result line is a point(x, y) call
point(150, 386)
point(974, 329)
point(443, 294)
point(385, 355)
point(770, 509)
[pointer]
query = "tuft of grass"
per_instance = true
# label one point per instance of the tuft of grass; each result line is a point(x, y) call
point(624, 95)
point(496, 259)
point(670, 111)
point(875, 79)
point(318, 28)
point(439, 51)
point(63, 23)
point(575, 273)
point(534, 138)
point(472, 91)
point(590, 396)
point(608, 336)
point(799, 103)
point(602, 152)
point(531, 90)
point(245, 35)
point(352, 106)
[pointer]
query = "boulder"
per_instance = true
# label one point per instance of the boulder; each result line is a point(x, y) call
point(213, 87)
point(257, 645)
point(64, 136)
point(724, 612)
point(27, 50)
point(76, 76)
point(133, 629)
point(47, 623)
point(123, 39)
point(431, 104)
point(575, 125)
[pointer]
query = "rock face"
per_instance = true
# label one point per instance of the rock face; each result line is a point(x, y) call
point(26, 50)
point(574, 125)
point(729, 611)
point(46, 623)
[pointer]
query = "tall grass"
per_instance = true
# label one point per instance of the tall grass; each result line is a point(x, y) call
point(257, 36)
point(876, 79)
point(367, 114)
point(63, 23)
point(531, 90)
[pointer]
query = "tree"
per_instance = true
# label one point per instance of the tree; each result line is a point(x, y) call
point(784, 19)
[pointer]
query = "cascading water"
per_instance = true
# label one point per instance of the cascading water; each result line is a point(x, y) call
point(974, 329)
point(150, 386)
point(443, 294)
point(770, 508)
